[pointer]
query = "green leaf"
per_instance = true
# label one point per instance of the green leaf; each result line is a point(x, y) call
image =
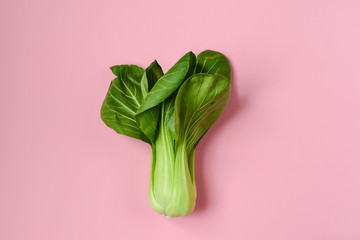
point(148, 120)
point(199, 103)
point(153, 73)
point(213, 62)
point(123, 99)
point(168, 115)
point(170, 82)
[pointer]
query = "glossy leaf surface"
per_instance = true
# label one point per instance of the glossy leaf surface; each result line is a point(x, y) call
point(213, 62)
point(122, 101)
point(199, 103)
point(170, 82)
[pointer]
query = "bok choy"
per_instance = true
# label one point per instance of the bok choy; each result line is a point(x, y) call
point(171, 112)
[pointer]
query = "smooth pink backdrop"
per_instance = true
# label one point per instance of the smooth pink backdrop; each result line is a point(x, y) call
point(282, 162)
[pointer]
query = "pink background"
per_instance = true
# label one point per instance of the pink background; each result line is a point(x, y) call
point(281, 163)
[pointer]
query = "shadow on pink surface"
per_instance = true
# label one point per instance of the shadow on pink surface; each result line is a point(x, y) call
point(236, 105)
